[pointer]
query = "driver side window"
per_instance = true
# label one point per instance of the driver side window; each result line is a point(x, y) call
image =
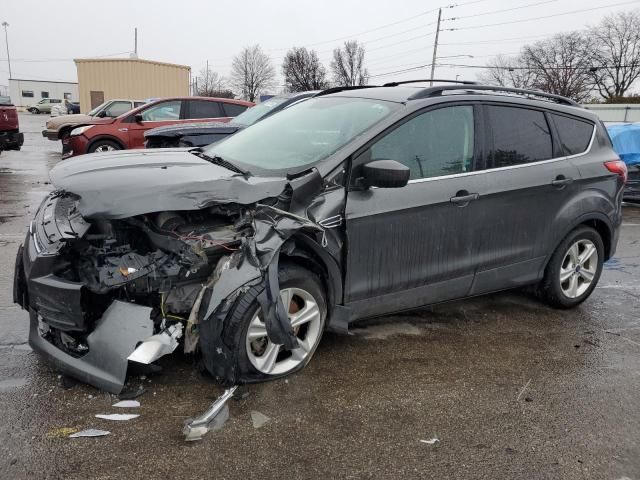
point(163, 111)
point(435, 143)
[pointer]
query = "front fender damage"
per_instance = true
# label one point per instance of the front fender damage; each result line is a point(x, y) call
point(255, 264)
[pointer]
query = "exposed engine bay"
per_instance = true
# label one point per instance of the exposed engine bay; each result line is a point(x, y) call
point(159, 260)
point(103, 288)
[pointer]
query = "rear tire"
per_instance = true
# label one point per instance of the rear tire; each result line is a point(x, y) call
point(574, 269)
point(104, 146)
point(258, 359)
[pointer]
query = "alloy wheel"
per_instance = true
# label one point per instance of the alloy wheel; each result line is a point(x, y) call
point(306, 319)
point(578, 268)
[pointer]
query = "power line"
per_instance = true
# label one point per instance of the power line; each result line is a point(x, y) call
point(52, 60)
point(493, 67)
point(501, 40)
point(545, 17)
point(501, 10)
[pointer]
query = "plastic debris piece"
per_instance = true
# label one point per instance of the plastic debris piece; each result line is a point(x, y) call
point(157, 345)
point(259, 419)
point(433, 441)
point(127, 404)
point(91, 432)
point(196, 428)
point(117, 416)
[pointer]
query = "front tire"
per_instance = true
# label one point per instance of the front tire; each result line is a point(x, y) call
point(104, 146)
point(258, 358)
point(35, 111)
point(574, 269)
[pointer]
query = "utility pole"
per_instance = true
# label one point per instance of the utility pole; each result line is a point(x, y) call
point(135, 42)
point(6, 40)
point(435, 48)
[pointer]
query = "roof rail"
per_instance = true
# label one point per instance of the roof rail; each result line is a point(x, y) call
point(463, 82)
point(437, 91)
point(342, 89)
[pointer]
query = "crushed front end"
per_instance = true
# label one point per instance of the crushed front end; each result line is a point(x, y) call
point(98, 290)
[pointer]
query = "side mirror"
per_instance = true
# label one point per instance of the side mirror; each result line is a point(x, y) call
point(138, 118)
point(102, 114)
point(385, 174)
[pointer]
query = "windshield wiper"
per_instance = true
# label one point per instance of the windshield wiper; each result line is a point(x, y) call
point(216, 160)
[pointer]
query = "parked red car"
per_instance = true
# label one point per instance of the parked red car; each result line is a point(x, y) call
point(127, 130)
point(10, 136)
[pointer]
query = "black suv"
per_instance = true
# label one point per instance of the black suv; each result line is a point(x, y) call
point(354, 203)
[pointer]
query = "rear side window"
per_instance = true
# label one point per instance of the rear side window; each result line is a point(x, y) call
point(233, 109)
point(575, 135)
point(517, 136)
point(204, 109)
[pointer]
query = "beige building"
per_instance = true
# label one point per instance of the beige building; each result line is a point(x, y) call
point(102, 79)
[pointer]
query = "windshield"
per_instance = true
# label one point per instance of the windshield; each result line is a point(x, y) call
point(95, 111)
point(253, 114)
point(302, 134)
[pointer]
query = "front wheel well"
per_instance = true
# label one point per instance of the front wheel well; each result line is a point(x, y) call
point(305, 252)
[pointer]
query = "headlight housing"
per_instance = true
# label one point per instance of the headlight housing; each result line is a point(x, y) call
point(80, 130)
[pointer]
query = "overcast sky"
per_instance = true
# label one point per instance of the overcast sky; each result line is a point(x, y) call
point(45, 36)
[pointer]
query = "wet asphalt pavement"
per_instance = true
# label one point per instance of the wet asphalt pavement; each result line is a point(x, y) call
point(509, 387)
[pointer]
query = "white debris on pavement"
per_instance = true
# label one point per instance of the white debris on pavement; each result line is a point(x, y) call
point(259, 419)
point(91, 432)
point(127, 404)
point(117, 416)
point(433, 441)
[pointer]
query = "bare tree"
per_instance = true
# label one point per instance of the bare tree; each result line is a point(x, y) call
point(507, 72)
point(561, 65)
point(616, 53)
point(252, 72)
point(211, 84)
point(303, 71)
point(348, 65)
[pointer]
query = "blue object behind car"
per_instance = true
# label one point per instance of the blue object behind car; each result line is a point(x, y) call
point(205, 133)
point(626, 143)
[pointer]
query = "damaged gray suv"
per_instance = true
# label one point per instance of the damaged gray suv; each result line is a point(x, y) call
point(356, 203)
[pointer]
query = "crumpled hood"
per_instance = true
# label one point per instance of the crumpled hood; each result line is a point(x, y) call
point(123, 184)
point(199, 128)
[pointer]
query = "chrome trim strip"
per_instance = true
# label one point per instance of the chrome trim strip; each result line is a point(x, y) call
point(523, 165)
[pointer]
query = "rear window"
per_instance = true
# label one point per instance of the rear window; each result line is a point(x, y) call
point(518, 135)
point(204, 109)
point(575, 135)
point(233, 109)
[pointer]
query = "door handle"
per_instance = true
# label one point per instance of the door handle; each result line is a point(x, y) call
point(463, 197)
point(561, 181)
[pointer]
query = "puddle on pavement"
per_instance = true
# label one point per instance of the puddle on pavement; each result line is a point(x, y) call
point(12, 384)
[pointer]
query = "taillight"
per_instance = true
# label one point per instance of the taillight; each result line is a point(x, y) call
point(619, 167)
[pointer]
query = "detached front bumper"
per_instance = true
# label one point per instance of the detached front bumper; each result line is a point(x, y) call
point(11, 140)
point(58, 312)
